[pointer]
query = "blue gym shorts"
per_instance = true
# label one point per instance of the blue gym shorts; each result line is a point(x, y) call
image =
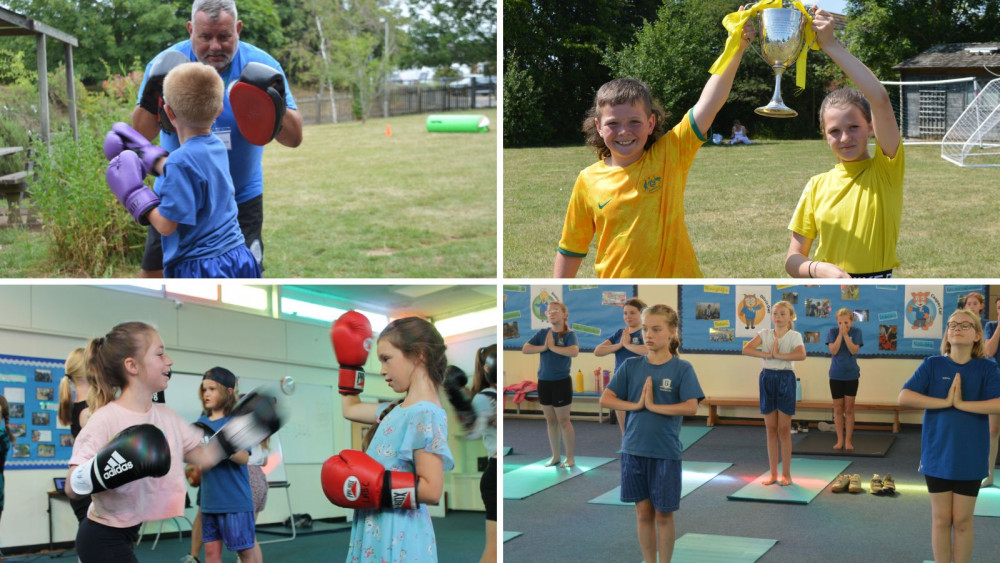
point(235, 529)
point(237, 262)
point(658, 480)
point(777, 391)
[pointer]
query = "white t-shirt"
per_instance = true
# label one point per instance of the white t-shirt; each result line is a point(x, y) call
point(786, 345)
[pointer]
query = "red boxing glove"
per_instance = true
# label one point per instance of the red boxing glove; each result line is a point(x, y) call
point(352, 479)
point(351, 336)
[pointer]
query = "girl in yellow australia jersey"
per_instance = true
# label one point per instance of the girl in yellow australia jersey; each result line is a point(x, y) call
point(854, 210)
point(632, 199)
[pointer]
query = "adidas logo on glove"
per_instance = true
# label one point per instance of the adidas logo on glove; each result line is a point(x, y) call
point(116, 465)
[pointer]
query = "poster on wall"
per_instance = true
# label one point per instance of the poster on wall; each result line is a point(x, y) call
point(924, 311)
point(30, 386)
point(541, 297)
point(753, 309)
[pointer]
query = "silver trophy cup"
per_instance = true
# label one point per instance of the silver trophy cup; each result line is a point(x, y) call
point(782, 32)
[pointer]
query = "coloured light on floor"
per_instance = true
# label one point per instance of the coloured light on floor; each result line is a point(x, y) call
point(468, 322)
point(245, 296)
point(291, 306)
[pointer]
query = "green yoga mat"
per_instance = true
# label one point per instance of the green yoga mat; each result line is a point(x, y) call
point(693, 475)
point(510, 535)
point(809, 478)
point(988, 502)
point(530, 479)
point(458, 123)
point(705, 548)
point(689, 435)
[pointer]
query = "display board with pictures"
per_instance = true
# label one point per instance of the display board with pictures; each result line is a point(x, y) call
point(896, 320)
point(595, 312)
point(31, 387)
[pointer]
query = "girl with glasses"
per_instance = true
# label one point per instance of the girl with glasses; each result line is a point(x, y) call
point(957, 389)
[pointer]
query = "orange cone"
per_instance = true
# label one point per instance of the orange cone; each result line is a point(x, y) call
point(388, 131)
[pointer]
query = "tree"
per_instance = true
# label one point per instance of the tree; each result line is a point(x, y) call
point(560, 45)
point(452, 31)
point(885, 33)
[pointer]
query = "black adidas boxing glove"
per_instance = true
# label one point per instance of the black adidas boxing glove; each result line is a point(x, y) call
point(136, 452)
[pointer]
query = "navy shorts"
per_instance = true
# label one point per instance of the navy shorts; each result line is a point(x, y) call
point(658, 480)
point(558, 393)
point(839, 388)
point(237, 262)
point(249, 214)
point(235, 529)
point(964, 488)
point(777, 391)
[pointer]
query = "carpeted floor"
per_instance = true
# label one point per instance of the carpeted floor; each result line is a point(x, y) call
point(460, 537)
point(559, 525)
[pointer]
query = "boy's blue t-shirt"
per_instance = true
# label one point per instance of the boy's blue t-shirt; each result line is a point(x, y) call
point(553, 366)
point(624, 353)
point(225, 488)
point(244, 157)
point(647, 433)
point(844, 365)
point(955, 444)
point(988, 330)
point(197, 193)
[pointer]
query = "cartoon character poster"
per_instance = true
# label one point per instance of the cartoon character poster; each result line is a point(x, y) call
point(541, 296)
point(924, 312)
point(753, 309)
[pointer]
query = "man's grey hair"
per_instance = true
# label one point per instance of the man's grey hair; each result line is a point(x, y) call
point(213, 8)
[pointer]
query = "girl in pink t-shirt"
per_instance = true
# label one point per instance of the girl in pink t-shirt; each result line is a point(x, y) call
point(131, 452)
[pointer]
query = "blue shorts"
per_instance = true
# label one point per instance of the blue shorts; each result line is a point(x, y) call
point(235, 529)
point(777, 391)
point(237, 262)
point(658, 480)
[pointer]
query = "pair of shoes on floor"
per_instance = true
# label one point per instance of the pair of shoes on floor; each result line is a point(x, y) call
point(850, 483)
point(824, 426)
point(883, 485)
point(804, 428)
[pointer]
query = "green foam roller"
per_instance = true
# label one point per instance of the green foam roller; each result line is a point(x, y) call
point(458, 123)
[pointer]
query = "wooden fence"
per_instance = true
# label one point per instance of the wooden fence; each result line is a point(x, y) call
point(403, 100)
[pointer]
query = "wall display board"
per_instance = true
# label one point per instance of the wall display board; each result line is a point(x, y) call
point(31, 387)
point(595, 312)
point(896, 321)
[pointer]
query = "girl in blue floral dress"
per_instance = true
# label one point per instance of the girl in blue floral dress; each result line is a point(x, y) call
point(408, 435)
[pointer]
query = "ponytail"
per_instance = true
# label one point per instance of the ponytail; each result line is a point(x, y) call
point(107, 354)
point(76, 369)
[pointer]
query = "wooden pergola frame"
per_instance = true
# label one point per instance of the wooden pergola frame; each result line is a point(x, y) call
point(12, 23)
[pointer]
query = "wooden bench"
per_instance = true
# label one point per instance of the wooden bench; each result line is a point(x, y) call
point(713, 404)
point(14, 186)
point(533, 397)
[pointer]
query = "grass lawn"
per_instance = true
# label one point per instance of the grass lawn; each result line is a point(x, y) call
point(352, 202)
point(738, 203)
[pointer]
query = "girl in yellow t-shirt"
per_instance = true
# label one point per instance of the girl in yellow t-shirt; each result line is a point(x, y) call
point(853, 211)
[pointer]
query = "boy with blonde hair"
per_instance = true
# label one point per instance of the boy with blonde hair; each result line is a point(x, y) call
point(195, 211)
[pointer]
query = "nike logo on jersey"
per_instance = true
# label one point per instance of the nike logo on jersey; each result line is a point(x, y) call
point(601, 205)
point(116, 464)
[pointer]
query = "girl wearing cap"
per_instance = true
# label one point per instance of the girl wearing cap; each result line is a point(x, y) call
point(227, 511)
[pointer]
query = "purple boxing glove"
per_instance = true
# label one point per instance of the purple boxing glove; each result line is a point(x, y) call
point(123, 137)
point(125, 176)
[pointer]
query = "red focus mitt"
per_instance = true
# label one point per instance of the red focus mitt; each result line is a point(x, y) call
point(258, 102)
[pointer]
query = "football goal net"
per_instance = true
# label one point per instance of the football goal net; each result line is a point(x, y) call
point(925, 110)
point(974, 138)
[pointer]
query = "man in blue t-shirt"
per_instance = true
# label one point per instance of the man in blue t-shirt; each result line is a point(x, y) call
point(214, 32)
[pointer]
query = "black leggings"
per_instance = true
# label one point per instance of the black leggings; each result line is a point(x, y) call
point(97, 543)
point(488, 489)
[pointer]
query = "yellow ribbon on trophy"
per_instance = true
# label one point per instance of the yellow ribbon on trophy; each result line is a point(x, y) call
point(734, 25)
